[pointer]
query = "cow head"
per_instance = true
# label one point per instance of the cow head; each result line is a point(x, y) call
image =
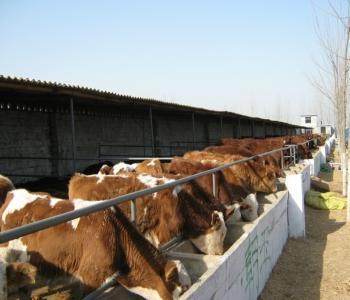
point(105, 170)
point(249, 208)
point(262, 179)
point(233, 214)
point(6, 185)
point(212, 242)
point(304, 152)
point(204, 226)
point(20, 274)
point(268, 182)
point(176, 278)
point(170, 282)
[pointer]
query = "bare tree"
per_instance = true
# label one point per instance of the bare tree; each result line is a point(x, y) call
point(333, 73)
point(278, 109)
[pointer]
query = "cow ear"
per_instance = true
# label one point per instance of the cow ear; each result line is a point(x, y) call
point(170, 271)
point(215, 219)
point(229, 210)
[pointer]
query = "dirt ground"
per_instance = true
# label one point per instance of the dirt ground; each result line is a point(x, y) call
point(317, 267)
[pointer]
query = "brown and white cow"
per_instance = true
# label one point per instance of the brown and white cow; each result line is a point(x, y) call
point(6, 185)
point(149, 166)
point(161, 216)
point(245, 178)
point(181, 166)
point(20, 275)
point(271, 161)
point(92, 249)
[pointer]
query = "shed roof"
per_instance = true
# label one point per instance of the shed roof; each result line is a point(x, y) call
point(27, 85)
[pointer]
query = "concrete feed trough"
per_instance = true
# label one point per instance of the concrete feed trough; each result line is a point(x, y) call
point(252, 248)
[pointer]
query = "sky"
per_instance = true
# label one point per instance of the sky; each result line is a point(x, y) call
point(250, 57)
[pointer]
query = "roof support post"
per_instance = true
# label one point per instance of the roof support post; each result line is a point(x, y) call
point(152, 130)
point(193, 131)
point(253, 128)
point(73, 132)
point(221, 128)
point(239, 131)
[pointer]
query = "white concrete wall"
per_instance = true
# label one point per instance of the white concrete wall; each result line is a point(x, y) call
point(315, 163)
point(245, 267)
point(242, 272)
point(328, 147)
point(323, 150)
point(297, 183)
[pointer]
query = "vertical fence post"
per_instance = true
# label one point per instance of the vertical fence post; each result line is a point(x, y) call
point(73, 132)
point(193, 132)
point(221, 129)
point(152, 131)
point(133, 210)
point(239, 132)
point(214, 184)
point(234, 129)
point(282, 160)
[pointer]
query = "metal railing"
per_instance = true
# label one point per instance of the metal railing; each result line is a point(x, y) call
point(294, 152)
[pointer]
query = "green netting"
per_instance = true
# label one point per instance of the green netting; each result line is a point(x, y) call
point(329, 200)
point(326, 168)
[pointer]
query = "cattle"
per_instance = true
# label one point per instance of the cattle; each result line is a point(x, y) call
point(93, 249)
point(245, 178)
point(259, 146)
point(122, 167)
point(303, 149)
point(106, 169)
point(94, 168)
point(179, 165)
point(256, 146)
point(238, 207)
point(270, 161)
point(19, 275)
point(150, 166)
point(321, 139)
point(161, 216)
point(6, 185)
point(201, 188)
point(249, 209)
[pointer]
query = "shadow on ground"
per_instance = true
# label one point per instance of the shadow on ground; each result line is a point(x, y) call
point(298, 273)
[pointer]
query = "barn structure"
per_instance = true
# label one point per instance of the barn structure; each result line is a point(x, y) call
point(51, 130)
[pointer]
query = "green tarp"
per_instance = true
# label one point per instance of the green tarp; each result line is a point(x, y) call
point(329, 200)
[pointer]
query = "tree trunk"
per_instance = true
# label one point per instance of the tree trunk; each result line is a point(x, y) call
point(344, 173)
point(348, 197)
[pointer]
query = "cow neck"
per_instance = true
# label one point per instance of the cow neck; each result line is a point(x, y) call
point(206, 199)
point(196, 214)
point(243, 185)
point(142, 257)
point(139, 243)
point(225, 194)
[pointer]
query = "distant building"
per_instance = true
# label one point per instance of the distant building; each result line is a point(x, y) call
point(324, 129)
point(309, 121)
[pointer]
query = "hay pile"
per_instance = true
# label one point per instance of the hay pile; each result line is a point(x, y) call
point(329, 200)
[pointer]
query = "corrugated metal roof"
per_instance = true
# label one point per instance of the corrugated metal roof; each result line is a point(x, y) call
point(39, 86)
